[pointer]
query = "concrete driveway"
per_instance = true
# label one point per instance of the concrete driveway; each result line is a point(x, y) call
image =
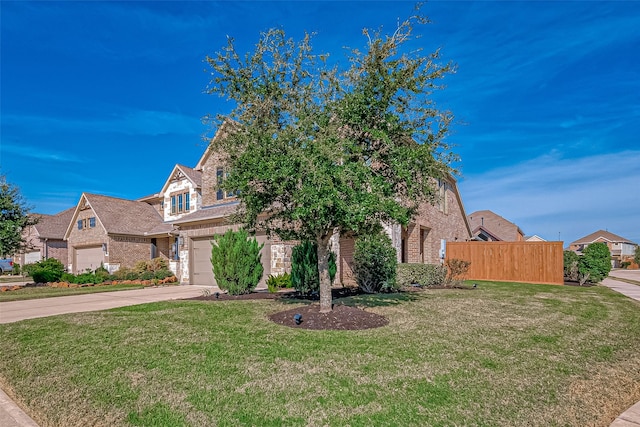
point(14, 311)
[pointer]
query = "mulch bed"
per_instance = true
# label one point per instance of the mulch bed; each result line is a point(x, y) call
point(342, 317)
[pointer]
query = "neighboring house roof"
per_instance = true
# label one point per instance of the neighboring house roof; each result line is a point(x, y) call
point(121, 216)
point(479, 230)
point(210, 212)
point(195, 176)
point(534, 238)
point(602, 234)
point(496, 225)
point(54, 226)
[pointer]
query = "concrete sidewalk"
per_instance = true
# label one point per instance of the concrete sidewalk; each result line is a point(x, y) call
point(14, 311)
point(630, 417)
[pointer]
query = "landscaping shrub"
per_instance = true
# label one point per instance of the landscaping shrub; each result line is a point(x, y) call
point(236, 262)
point(16, 269)
point(374, 263)
point(162, 274)
point(570, 260)
point(282, 281)
point(305, 276)
point(636, 256)
point(48, 270)
point(153, 265)
point(456, 271)
point(125, 273)
point(595, 263)
point(409, 274)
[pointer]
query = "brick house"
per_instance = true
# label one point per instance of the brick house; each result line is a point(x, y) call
point(621, 249)
point(45, 239)
point(424, 239)
point(115, 233)
point(180, 221)
point(491, 227)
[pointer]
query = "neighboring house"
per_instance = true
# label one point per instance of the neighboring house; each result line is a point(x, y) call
point(534, 238)
point(491, 227)
point(115, 233)
point(621, 249)
point(46, 239)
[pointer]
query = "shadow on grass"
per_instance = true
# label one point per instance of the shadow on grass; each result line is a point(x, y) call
point(354, 297)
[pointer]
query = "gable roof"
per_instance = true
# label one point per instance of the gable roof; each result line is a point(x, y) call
point(456, 191)
point(497, 225)
point(121, 216)
point(179, 171)
point(604, 235)
point(54, 226)
point(221, 132)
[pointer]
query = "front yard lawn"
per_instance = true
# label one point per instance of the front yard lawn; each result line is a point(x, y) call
point(499, 355)
point(46, 292)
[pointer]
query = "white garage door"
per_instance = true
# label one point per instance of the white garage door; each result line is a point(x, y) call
point(88, 258)
point(32, 257)
point(202, 271)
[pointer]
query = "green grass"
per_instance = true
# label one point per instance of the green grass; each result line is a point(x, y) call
point(12, 279)
point(501, 355)
point(47, 292)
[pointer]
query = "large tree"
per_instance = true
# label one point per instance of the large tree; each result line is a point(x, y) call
point(314, 150)
point(14, 217)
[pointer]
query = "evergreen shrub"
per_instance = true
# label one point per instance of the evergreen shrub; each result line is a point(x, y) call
point(236, 262)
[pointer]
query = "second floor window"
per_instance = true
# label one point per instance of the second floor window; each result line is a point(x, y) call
point(180, 203)
point(219, 175)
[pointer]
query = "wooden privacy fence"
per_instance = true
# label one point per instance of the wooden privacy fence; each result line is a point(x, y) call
point(531, 262)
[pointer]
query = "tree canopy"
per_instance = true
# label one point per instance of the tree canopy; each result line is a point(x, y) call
point(314, 149)
point(14, 217)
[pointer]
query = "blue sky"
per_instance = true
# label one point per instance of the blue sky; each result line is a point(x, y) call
point(106, 97)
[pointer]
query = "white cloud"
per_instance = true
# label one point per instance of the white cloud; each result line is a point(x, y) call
point(551, 195)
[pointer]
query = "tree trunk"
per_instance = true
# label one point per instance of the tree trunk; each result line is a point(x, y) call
point(323, 268)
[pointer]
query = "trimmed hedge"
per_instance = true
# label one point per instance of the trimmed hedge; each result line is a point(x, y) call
point(425, 275)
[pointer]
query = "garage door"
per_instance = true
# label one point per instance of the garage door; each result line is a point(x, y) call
point(88, 258)
point(32, 257)
point(201, 261)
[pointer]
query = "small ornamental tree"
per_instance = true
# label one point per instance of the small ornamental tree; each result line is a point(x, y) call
point(236, 262)
point(595, 262)
point(571, 259)
point(374, 263)
point(317, 149)
point(636, 257)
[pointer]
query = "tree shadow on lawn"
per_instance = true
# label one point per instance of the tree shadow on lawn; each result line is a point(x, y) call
point(349, 308)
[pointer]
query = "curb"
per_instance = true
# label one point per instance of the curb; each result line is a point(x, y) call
point(11, 415)
point(629, 418)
